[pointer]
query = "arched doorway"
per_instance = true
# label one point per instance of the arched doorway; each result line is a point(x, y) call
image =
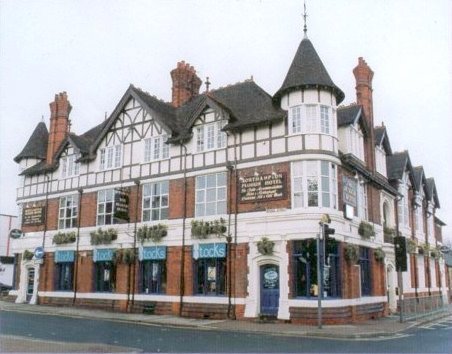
point(391, 287)
point(269, 276)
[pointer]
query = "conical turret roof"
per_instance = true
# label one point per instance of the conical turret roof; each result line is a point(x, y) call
point(36, 146)
point(308, 71)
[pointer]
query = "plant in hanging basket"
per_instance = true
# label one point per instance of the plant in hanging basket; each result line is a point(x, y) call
point(154, 233)
point(411, 246)
point(388, 234)
point(27, 255)
point(64, 237)
point(351, 253)
point(202, 229)
point(105, 237)
point(434, 253)
point(379, 254)
point(366, 230)
point(125, 255)
point(265, 246)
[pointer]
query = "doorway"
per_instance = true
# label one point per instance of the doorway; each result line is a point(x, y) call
point(269, 274)
point(30, 283)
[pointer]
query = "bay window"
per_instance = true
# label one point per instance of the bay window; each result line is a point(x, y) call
point(311, 119)
point(314, 184)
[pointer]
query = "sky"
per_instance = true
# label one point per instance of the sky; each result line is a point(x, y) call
point(93, 50)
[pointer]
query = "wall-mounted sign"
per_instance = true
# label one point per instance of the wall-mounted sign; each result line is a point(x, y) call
point(15, 233)
point(64, 256)
point(33, 216)
point(209, 250)
point(153, 252)
point(39, 253)
point(350, 188)
point(121, 212)
point(103, 255)
point(263, 188)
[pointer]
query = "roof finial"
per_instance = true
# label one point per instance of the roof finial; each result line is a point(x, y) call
point(42, 118)
point(207, 84)
point(305, 28)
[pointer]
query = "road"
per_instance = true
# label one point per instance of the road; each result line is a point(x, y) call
point(77, 334)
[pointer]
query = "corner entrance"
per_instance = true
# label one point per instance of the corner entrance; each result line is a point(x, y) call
point(269, 289)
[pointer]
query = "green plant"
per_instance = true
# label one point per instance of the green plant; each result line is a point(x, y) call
point(27, 255)
point(423, 249)
point(366, 230)
point(434, 253)
point(351, 253)
point(64, 237)
point(125, 255)
point(202, 229)
point(154, 233)
point(265, 246)
point(388, 234)
point(105, 237)
point(379, 254)
point(411, 246)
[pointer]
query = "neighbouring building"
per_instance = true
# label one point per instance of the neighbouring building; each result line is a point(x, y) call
point(209, 206)
point(7, 223)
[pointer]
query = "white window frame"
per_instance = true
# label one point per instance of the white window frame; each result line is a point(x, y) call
point(104, 198)
point(156, 148)
point(311, 118)
point(110, 157)
point(155, 200)
point(403, 204)
point(322, 173)
point(362, 208)
point(69, 166)
point(356, 142)
point(209, 136)
point(381, 160)
point(211, 192)
point(68, 212)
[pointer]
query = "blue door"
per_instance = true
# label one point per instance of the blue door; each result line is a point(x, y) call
point(269, 289)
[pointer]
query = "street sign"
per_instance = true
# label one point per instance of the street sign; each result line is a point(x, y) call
point(15, 233)
point(39, 252)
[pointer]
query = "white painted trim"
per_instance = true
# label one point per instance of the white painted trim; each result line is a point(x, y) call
point(337, 303)
point(212, 300)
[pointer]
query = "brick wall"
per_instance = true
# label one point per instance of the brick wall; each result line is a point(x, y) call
point(88, 209)
point(85, 272)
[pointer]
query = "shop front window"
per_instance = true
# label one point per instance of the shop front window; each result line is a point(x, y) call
point(153, 276)
point(64, 275)
point(210, 276)
point(364, 263)
point(104, 276)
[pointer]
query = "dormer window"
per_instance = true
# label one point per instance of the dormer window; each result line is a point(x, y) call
point(310, 119)
point(110, 157)
point(403, 204)
point(155, 148)
point(210, 136)
point(356, 142)
point(380, 157)
point(69, 166)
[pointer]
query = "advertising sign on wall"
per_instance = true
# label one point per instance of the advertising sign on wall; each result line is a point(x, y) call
point(350, 188)
point(121, 212)
point(33, 215)
point(263, 187)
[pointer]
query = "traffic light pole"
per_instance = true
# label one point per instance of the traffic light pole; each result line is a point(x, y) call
point(319, 278)
point(400, 284)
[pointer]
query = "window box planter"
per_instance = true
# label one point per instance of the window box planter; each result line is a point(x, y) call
point(265, 246)
point(203, 229)
point(154, 233)
point(379, 254)
point(64, 237)
point(388, 234)
point(27, 255)
point(366, 230)
point(351, 253)
point(103, 237)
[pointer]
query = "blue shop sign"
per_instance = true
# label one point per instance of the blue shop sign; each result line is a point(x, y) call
point(209, 250)
point(153, 252)
point(64, 256)
point(103, 255)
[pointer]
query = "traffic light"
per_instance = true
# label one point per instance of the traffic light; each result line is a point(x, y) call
point(327, 231)
point(400, 253)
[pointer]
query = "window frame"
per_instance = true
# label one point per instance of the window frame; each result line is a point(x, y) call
point(110, 157)
point(62, 283)
point(104, 202)
point(150, 196)
point(207, 139)
point(311, 118)
point(150, 148)
point(202, 188)
point(65, 209)
point(157, 286)
point(201, 286)
point(104, 286)
point(69, 166)
point(365, 271)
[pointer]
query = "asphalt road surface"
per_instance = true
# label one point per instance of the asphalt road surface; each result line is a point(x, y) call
point(77, 334)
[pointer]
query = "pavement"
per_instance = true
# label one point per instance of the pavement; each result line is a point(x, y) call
point(379, 328)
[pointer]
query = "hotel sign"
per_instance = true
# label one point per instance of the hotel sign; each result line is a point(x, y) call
point(33, 216)
point(263, 188)
point(350, 188)
point(121, 212)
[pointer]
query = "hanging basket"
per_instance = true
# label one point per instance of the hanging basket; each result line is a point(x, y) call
point(265, 246)
point(351, 253)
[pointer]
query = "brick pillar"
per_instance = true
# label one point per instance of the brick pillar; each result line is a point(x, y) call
point(59, 124)
point(363, 76)
point(186, 84)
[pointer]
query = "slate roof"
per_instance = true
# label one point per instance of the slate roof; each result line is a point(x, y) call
point(36, 147)
point(381, 138)
point(307, 70)
point(432, 193)
point(397, 164)
point(351, 114)
point(419, 177)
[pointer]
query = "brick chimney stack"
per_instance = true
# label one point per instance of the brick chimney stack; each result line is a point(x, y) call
point(186, 84)
point(59, 123)
point(363, 76)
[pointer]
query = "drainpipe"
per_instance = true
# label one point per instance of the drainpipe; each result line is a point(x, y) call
point(77, 245)
point(235, 214)
point(229, 239)
point(45, 231)
point(182, 258)
point(134, 264)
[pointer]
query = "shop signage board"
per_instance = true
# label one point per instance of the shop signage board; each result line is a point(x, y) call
point(121, 212)
point(152, 253)
point(103, 255)
point(209, 250)
point(263, 187)
point(64, 256)
point(15, 233)
point(33, 216)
